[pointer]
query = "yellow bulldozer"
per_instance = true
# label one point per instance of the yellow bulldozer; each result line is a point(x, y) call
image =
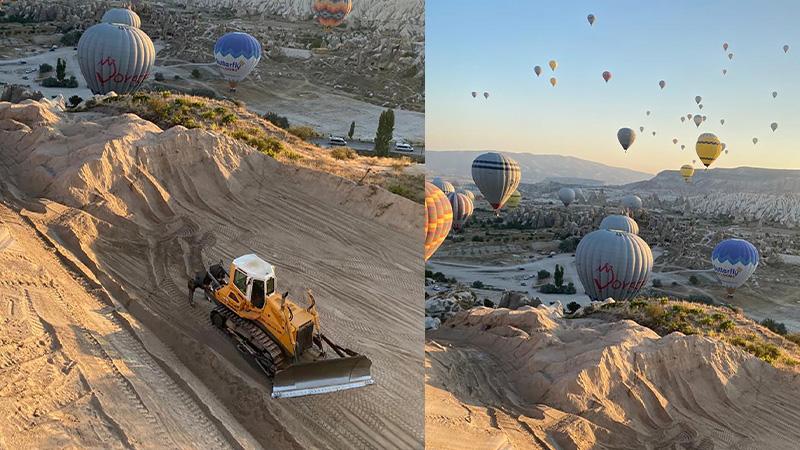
point(282, 337)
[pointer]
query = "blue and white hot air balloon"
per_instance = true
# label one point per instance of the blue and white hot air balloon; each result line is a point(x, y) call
point(734, 261)
point(236, 54)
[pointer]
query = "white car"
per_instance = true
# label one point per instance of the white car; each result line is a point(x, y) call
point(336, 140)
point(403, 147)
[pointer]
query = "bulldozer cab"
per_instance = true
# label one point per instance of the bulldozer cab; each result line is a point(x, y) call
point(254, 279)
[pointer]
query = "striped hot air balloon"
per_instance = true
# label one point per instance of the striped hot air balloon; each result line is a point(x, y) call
point(331, 13)
point(122, 16)
point(446, 186)
point(497, 176)
point(620, 223)
point(438, 218)
point(734, 261)
point(470, 195)
point(115, 57)
point(462, 209)
point(708, 148)
point(236, 54)
point(613, 263)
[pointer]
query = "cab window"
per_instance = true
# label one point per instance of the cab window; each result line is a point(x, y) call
point(240, 281)
point(257, 294)
point(270, 286)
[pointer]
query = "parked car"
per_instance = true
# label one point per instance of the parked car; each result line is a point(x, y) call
point(403, 147)
point(336, 140)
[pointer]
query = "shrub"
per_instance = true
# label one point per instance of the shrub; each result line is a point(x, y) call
point(304, 133)
point(44, 68)
point(71, 38)
point(75, 100)
point(726, 325)
point(343, 153)
point(693, 280)
point(292, 155)
point(277, 120)
point(158, 76)
point(202, 92)
point(569, 245)
point(794, 337)
point(195, 73)
point(656, 283)
point(775, 327)
point(572, 307)
point(477, 284)
point(543, 274)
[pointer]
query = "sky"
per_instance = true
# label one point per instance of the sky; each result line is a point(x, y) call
point(494, 46)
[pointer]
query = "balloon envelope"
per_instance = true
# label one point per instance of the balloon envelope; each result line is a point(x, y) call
point(553, 64)
point(115, 57)
point(734, 260)
point(566, 195)
point(497, 176)
point(626, 137)
point(620, 223)
point(687, 172)
point(462, 209)
point(632, 202)
point(662, 83)
point(785, 49)
point(485, 95)
point(774, 126)
point(331, 13)
point(537, 70)
point(122, 16)
point(445, 186)
point(236, 55)
point(708, 148)
point(613, 264)
point(590, 18)
point(606, 76)
point(438, 218)
point(553, 81)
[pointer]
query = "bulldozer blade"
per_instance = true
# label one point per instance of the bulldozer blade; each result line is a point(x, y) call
point(321, 377)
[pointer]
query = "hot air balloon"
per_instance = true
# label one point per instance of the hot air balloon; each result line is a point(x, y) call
point(236, 54)
point(590, 18)
point(620, 223)
point(725, 46)
point(514, 200)
point(674, 140)
point(438, 218)
point(641, 129)
point(606, 76)
point(698, 99)
point(724, 146)
point(698, 120)
point(774, 94)
point(704, 118)
point(537, 70)
point(734, 261)
point(331, 13)
point(683, 119)
point(626, 137)
point(579, 195)
point(486, 95)
point(553, 81)
point(683, 147)
point(700, 106)
point(786, 48)
point(444, 186)
point(462, 209)
point(497, 176)
point(689, 116)
point(687, 172)
point(115, 58)
point(613, 264)
point(755, 140)
point(724, 71)
point(122, 16)
point(474, 94)
point(730, 56)
point(553, 64)
point(708, 148)
point(722, 121)
point(654, 133)
point(647, 113)
point(662, 83)
point(774, 126)
point(632, 202)
point(470, 195)
point(566, 195)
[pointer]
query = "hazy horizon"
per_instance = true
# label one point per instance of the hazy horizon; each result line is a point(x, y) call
point(494, 49)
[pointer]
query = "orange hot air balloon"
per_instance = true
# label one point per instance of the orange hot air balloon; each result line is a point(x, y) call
point(331, 13)
point(438, 218)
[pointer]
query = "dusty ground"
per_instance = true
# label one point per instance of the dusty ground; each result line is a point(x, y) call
point(142, 209)
point(529, 379)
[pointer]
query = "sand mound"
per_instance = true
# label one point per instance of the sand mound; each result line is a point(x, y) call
point(140, 210)
point(530, 377)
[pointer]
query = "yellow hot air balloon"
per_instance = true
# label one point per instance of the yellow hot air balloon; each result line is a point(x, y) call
point(553, 81)
point(708, 148)
point(686, 172)
point(553, 64)
point(438, 218)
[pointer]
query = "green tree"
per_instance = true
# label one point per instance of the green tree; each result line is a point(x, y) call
point(61, 69)
point(384, 134)
point(352, 129)
point(572, 307)
point(75, 100)
point(44, 68)
point(558, 277)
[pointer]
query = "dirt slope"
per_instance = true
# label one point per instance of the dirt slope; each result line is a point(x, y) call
point(142, 209)
point(530, 379)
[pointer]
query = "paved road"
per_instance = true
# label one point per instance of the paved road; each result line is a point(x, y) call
point(367, 147)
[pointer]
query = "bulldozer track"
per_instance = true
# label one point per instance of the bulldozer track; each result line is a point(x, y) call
point(259, 338)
